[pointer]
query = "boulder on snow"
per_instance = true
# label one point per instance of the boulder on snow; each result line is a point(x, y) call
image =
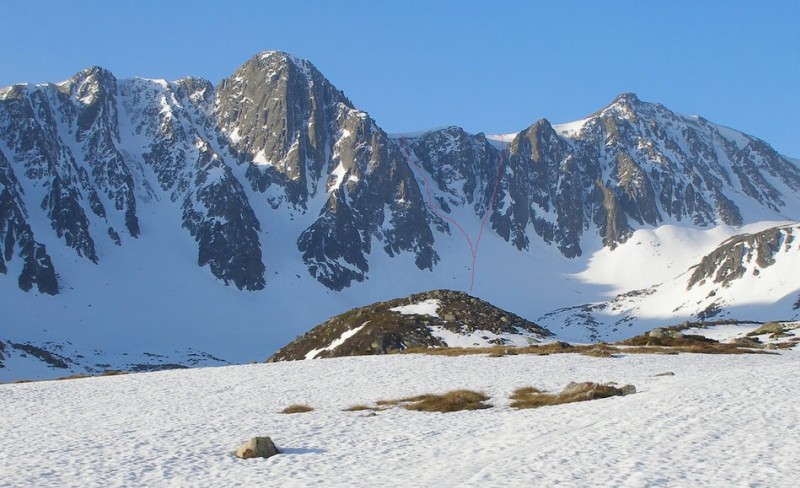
point(661, 332)
point(262, 447)
point(768, 328)
point(748, 342)
point(593, 391)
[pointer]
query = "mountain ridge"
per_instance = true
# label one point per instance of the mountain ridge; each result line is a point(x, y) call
point(238, 203)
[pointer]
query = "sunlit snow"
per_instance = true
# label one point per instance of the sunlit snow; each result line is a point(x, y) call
point(336, 343)
point(428, 307)
point(720, 420)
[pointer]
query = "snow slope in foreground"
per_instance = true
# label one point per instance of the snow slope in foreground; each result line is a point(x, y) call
point(720, 420)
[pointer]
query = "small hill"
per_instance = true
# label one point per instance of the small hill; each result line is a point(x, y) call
point(440, 318)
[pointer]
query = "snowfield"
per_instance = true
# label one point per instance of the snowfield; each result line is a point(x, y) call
point(719, 421)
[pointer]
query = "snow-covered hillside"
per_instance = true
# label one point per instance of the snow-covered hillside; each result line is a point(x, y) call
point(752, 276)
point(718, 421)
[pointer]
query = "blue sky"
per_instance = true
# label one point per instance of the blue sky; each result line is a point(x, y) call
point(487, 66)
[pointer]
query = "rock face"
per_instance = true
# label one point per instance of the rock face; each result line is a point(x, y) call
point(632, 164)
point(661, 333)
point(83, 161)
point(17, 240)
point(257, 447)
point(747, 252)
point(439, 318)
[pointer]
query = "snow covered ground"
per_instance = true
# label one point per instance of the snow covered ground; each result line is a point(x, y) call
point(719, 421)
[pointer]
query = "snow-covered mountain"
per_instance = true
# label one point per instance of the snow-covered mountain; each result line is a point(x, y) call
point(146, 217)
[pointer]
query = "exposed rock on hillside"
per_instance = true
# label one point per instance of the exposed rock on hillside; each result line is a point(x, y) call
point(734, 257)
point(440, 318)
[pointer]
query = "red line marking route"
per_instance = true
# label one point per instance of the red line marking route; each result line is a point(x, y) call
point(473, 247)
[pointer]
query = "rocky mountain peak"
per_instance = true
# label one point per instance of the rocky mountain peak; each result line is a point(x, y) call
point(279, 114)
point(283, 60)
point(626, 98)
point(626, 107)
point(270, 66)
point(89, 83)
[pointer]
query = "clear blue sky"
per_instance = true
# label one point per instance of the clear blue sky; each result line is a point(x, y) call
point(486, 66)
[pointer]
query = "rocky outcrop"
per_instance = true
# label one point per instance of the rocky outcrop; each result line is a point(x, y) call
point(427, 319)
point(17, 240)
point(747, 252)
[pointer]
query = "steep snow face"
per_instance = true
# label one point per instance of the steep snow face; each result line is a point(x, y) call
point(709, 424)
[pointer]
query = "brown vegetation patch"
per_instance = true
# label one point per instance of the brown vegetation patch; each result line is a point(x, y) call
point(530, 397)
point(525, 392)
point(297, 408)
point(452, 401)
point(76, 376)
point(358, 408)
point(636, 345)
point(645, 344)
point(668, 341)
point(493, 351)
point(113, 372)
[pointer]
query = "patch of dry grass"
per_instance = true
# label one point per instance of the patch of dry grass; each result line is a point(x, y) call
point(530, 397)
point(452, 351)
point(297, 408)
point(358, 408)
point(452, 401)
point(700, 348)
point(524, 392)
point(636, 345)
point(642, 344)
point(76, 376)
point(113, 372)
point(493, 351)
